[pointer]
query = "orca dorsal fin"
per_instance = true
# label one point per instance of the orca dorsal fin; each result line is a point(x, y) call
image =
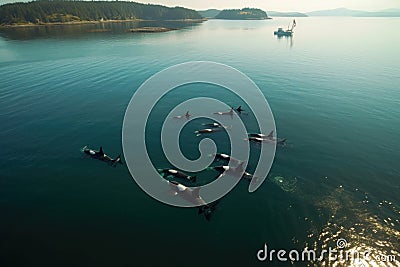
point(271, 133)
point(196, 192)
point(118, 159)
point(101, 150)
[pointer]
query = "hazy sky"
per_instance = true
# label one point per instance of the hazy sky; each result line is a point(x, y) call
point(275, 5)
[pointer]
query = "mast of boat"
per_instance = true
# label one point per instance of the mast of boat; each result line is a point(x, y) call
point(293, 25)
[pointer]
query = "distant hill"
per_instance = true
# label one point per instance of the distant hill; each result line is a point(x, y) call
point(344, 12)
point(242, 14)
point(209, 13)
point(286, 14)
point(383, 13)
point(391, 10)
point(59, 11)
point(212, 13)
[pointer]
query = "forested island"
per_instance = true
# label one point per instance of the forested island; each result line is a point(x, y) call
point(44, 12)
point(242, 14)
point(286, 14)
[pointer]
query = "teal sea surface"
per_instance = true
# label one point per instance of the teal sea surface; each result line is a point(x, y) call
point(333, 89)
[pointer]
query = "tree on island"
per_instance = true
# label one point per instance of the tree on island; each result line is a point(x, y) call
point(66, 11)
point(245, 13)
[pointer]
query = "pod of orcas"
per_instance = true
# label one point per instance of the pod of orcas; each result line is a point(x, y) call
point(192, 195)
point(231, 112)
point(215, 127)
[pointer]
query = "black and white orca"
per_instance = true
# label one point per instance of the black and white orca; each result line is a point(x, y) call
point(187, 116)
point(260, 138)
point(239, 109)
point(207, 131)
point(263, 136)
point(213, 125)
point(234, 171)
point(225, 169)
point(176, 174)
point(225, 157)
point(230, 112)
point(193, 196)
point(100, 155)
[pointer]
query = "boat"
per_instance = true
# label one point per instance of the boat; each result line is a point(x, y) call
point(281, 32)
point(289, 32)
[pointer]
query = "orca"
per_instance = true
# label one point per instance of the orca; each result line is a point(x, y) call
point(239, 109)
point(234, 171)
point(206, 131)
point(100, 155)
point(225, 169)
point(259, 135)
point(225, 113)
point(176, 174)
point(208, 209)
point(226, 157)
point(213, 125)
point(264, 140)
point(193, 196)
point(259, 138)
point(187, 116)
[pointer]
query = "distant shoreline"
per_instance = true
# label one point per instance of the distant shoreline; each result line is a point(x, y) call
point(267, 18)
point(82, 22)
point(152, 29)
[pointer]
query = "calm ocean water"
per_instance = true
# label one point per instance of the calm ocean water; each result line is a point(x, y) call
point(333, 89)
